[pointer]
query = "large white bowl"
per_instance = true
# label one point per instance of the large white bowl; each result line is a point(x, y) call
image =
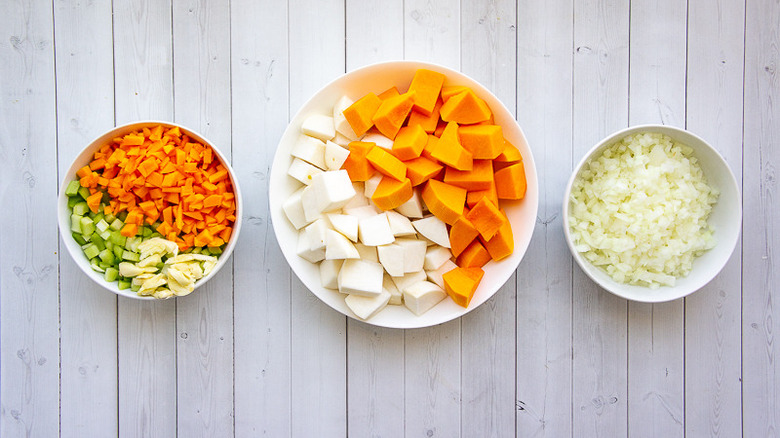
point(63, 212)
point(726, 219)
point(377, 78)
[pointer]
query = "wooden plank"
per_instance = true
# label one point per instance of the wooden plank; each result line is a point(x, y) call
point(656, 331)
point(85, 109)
point(375, 355)
point(599, 318)
point(544, 285)
point(146, 330)
point(761, 214)
point(713, 400)
point(318, 333)
point(261, 275)
point(29, 299)
point(204, 320)
point(489, 53)
point(432, 355)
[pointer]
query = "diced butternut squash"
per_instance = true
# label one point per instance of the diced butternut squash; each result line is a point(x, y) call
point(474, 196)
point(510, 154)
point(480, 177)
point(462, 283)
point(440, 128)
point(448, 91)
point(502, 244)
point(510, 182)
point(426, 84)
point(390, 92)
point(465, 108)
point(474, 256)
point(427, 123)
point(462, 233)
point(356, 164)
point(485, 142)
point(487, 218)
point(386, 163)
point(443, 200)
point(360, 114)
point(391, 114)
point(430, 145)
point(410, 142)
point(421, 169)
point(449, 150)
point(391, 193)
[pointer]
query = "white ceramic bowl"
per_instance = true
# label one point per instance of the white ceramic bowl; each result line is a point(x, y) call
point(377, 78)
point(726, 219)
point(63, 212)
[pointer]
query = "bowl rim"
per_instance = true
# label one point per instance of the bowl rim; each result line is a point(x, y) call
point(605, 281)
point(531, 194)
point(63, 213)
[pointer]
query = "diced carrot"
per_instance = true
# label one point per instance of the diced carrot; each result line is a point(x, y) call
point(93, 201)
point(129, 229)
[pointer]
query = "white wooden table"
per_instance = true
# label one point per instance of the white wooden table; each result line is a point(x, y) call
point(255, 354)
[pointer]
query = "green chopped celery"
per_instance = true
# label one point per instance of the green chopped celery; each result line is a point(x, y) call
point(75, 223)
point(196, 250)
point(98, 241)
point(109, 245)
point(109, 218)
point(155, 234)
point(98, 216)
point(205, 251)
point(116, 225)
point(118, 239)
point(111, 274)
point(84, 192)
point(73, 200)
point(105, 234)
point(122, 216)
point(91, 251)
point(107, 256)
point(81, 208)
point(135, 287)
point(101, 225)
point(96, 265)
point(87, 226)
point(130, 256)
point(118, 251)
point(79, 239)
point(215, 250)
point(122, 285)
point(147, 232)
point(160, 265)
point(73, 188)
point(132, 243)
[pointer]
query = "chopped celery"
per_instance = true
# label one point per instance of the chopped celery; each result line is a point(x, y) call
point(73, 188)
point(101, 225)
point(109, 218)
point(105, 234)
point(84, 192)
point(134, 287)
point(122, 216)
point(98, 216)
point(215, 250)
point(91, 251)
point(132, 243)
point(109, 245)
point(155, 234)
point(118, 239)
point(75, 223)
point(79, 239)
point(107, 256)
point(98, 241)
point(122, 285)
point(96, 266)
point(118, 251)
point(160, 265)
point(147, 232)
point(117, 225)
point(81, 208)
point(195, 250)
point(111, 274)
point(87, 226)
point(130, 256)
point(73, 200)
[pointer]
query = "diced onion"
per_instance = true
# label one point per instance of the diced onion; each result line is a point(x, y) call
point(640, 210)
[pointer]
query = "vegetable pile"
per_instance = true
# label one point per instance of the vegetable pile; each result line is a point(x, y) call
point(145, 197)
point(395, 185)
point(640, 209)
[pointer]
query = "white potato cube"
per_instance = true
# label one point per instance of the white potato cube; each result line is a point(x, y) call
point(375, 230)
point(340, 122)
point(311, 150)
point(437, 274)
point(413, 253)
point(366, 307)
point(413, 207)
point(319, 126)
point(304, 249)
point(310, 204)
point(435, 256)
point(302, 171)
point(335, 155)
point(392, 259)
point(329, 273)
point(408, 279)
point(367, 253)
point(396, 297)
point(400, 224)
point(371, 184)
point(341, 140)
point(358, 200)
point(378, 139)
point(345, 224)
point(316, 232)
point(293, 209)
point(360, 277)
point(422, 296)
point(339, 247)
point(362, 212)
point(432, 228)
point(334, 189)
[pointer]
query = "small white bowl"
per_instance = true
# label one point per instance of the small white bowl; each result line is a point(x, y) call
point(377, 78)
point(63, 212)
point(726, 219)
